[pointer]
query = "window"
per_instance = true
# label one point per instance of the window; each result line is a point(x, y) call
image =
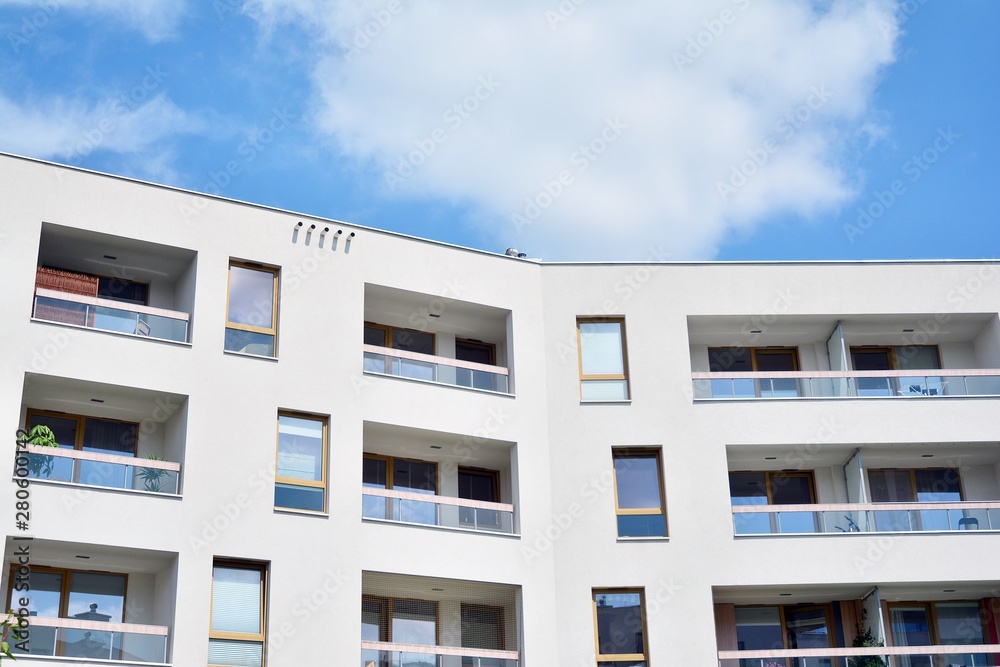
point(754, 359)
point(252, 310)
point(902, 358)
point(384, 472)
point(239, 603)
point(761, 628)
point(603, 359)
point(639, 497)
point(924, 485)
point(300, 476)
point(396, 338)
point(937, 623)
point(620, 620)
point(773, 488)
point(400, 621)
point(477, 484)
point(77, 594)
point(88, 434)
point(480, 353)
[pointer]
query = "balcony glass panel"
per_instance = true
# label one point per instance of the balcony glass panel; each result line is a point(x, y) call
point(126, 319)
point(432, 369)
point(57, 467)
point(56, 638)
point(770, 520)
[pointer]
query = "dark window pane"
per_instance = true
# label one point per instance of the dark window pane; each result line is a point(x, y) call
point(122, 290)
point(109, 437)
point(807, 628)
point(64, 429)
point(479, 354)
point(642, 525)
point(373, 472)
point(729, 360)
point(959, 623)
point(96, 597)
point(414, 476)
point(619, 623)
point(870, 360)
point(783, 360)
point(790, 489)
point(638, 481)
point(938, 486)
point(375, 336)
point(758, 628)
point(298, 497)
point(413, 341)
point(748, 488)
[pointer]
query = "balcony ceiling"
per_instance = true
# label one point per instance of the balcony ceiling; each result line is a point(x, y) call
point(416, 443)
point(84, 251)
point(101, 557)
point(729, 330)
point(47, 392)
point(412, 310)
point(883, 455)
point(818, 594)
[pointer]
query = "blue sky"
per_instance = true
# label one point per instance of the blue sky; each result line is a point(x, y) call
point(718, 129)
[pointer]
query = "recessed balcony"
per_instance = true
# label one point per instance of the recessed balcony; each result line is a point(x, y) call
point(93, 604)
point(113, 284)
point(872, 489)
point(906, 625)
point(434, 479)
point(436, 340)
point(409, 621)
point(913, 356)
point(110, 437)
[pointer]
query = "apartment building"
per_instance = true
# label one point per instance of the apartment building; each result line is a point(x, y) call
point(289, 441)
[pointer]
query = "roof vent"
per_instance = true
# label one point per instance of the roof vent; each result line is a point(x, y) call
point(512, 252)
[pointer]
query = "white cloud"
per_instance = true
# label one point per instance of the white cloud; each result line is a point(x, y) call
point(155, 19)
point(71, 129)
point(714, 115)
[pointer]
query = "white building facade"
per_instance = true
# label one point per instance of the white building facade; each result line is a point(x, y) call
point(288, 441)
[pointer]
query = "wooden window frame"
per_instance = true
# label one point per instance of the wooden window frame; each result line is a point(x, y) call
point(636, 452)
point(890, 351)
point(81, 422)
point(754, 351)
point(385, 621)
point(275, 285)
point(828, 615)
point(501, 620)
point(390, 330)
point(913, 479)
point(932, 617)
point(494, 475)
point(768, 474)
point(389, 460)
point(261, 637)
point(489, 347)
point(620, 657)
point(623, 376)
point(67, 575)
point(295, 481)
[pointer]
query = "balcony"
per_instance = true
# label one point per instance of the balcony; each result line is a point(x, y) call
point(845, 384)
point(434, 479)
point(96, 640)
point(109, 437)
point(436, 340)
point(891, 656)
point(105, 470)
point(113, 284)
point(816, 626)
point(94, 603)
point(410, 621)
point(848, 357)
point(865, 518)
point(107, 315)
point(415, 366)
point(842, 490)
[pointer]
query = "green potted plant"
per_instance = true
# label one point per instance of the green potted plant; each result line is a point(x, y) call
point(153, 477)
point(865, 638)
point(40, 436)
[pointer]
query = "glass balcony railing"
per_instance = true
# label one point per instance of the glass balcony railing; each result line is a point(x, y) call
point(846, 384)
point(431, 510)
point(429, 368)
point(973, 655)
point(108, 315)
point(95, 640)
point(866, 518)
point(385, 654)
point(111, 471)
